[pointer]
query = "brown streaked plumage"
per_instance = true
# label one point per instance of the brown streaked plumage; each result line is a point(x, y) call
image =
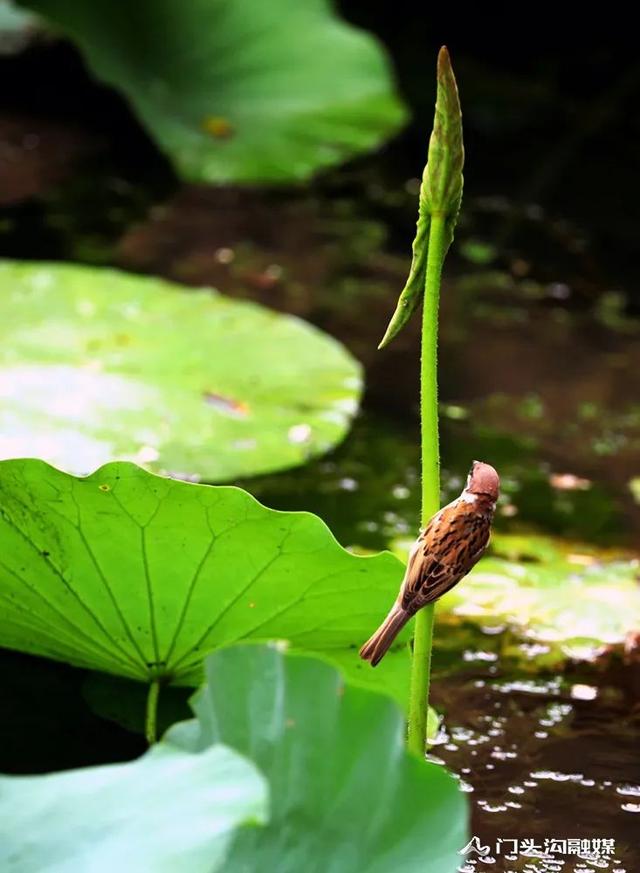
point(443, 554)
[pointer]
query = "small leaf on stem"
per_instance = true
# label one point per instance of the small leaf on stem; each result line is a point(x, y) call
point(440, 191)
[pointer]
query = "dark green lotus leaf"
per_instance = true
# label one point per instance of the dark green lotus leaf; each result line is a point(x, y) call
point(169, 810)
point(98, 365)
point(138, 575)
point(239, 90)
point(345, 795)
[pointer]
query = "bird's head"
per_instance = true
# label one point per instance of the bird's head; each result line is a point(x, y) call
point(483, 479)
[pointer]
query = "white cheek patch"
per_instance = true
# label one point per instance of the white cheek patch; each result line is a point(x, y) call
point(468, 498)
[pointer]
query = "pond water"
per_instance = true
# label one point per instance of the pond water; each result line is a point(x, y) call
point(540, 371)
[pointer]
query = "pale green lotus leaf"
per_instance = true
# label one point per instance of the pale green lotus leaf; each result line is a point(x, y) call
point(169, 810)
point(346, 796)
point(571, 595)
point(98, 365)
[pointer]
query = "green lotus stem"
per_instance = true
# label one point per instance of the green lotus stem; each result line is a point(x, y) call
point(151, 718)
point(439, 205)
point(423, 631)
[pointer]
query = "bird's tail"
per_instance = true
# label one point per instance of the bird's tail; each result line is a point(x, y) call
point(376, 647)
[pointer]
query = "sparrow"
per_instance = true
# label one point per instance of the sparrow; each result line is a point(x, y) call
point(448, 547)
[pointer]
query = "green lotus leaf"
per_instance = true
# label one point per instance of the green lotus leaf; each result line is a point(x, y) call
point(571, 596)
point(169, 810)
point(138, 575)
point(345, 795)
point(239, 90)
point(14, 25)
point(124, 701)
point(97, 365)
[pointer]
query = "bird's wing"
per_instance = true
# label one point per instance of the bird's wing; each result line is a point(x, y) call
point(431, 581)
point(449, 547)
